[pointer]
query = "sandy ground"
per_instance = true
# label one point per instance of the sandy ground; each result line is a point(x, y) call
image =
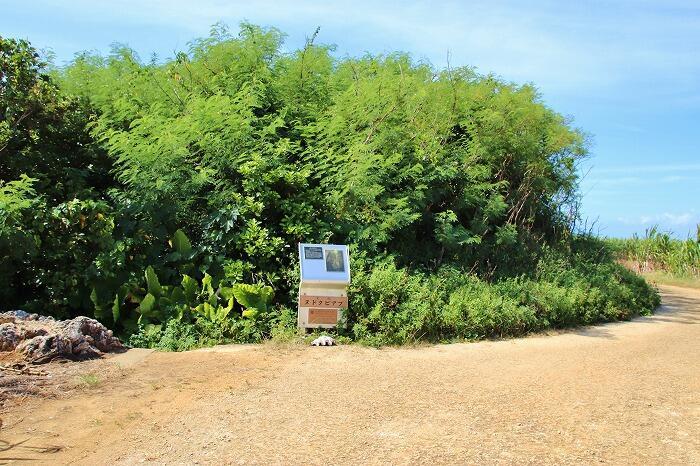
point(624, 393)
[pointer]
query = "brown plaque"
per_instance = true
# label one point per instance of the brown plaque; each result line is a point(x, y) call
point(323, 316)
point(327, 302)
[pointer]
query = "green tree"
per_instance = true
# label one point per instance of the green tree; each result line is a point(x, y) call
point(214, 163)
point(43, 131)
point(46, 243)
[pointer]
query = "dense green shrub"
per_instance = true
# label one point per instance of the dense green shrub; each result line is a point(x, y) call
point(17, 200)
point(177, 334)
point(167, 197)
point(49, 239)
point(394, 306)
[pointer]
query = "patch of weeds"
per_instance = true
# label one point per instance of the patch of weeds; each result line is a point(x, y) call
point(89, 380)
point(133, 416)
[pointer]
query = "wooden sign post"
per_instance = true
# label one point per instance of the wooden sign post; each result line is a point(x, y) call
point(325, 276)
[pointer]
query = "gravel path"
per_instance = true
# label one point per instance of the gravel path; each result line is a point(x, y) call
point(624, 393)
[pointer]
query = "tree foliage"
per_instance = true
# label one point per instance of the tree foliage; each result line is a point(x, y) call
point(380, 151)
point(246, 149)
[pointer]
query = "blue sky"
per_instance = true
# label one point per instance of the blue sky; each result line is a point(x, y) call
point(626, 72)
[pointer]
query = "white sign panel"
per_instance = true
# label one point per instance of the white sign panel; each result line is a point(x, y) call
point(324, 263)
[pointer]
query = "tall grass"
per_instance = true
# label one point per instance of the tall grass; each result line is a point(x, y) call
point(658, 251)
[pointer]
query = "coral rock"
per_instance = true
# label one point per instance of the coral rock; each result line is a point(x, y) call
point(41, 339)
point(323, 341)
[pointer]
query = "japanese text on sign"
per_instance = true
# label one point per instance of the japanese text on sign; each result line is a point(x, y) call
point(331, 302)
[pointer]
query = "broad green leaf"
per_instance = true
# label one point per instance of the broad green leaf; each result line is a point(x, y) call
point(208, 311)
point(190, 287)
point(226, 292)
point(152, 282)
point(224, 311)
point(99, 310)
point(147, 304)
point(116, 308)
point(177, 296)
point(250, 313)
point(180, 312)
point(253, 296)
point(206, 285)
point(181, 242)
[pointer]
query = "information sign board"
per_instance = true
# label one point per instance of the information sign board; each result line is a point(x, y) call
point(324, 263)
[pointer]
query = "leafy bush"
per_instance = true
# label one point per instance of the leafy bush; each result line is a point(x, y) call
point(59, 222)
point(200, 331)
point(193, 313)
point(166, 198)
point(17, 199)
point(394, 306)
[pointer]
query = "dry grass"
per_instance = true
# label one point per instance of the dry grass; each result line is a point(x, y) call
point(664, 278)
point(89, 380)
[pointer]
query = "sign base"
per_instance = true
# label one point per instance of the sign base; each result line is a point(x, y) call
point(321, 306)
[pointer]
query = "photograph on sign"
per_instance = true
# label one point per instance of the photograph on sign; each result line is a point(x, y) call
point(312, 252)
point(335, 261)
point(324, 263)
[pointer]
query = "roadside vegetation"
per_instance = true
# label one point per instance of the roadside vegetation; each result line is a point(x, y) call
point(660, 257)
point(165, 198)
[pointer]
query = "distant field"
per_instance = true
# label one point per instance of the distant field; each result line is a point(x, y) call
point(660, 257)
point(665, 278)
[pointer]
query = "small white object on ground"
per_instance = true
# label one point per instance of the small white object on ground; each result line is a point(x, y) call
point(323, 341)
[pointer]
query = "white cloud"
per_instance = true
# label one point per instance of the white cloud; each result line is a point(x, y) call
point(678, 219)
point(665, 219)
point(564, 47)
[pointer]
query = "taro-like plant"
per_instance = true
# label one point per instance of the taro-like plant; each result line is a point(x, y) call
point(255, 299)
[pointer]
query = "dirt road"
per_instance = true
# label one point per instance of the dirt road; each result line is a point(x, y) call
point(617, 393)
